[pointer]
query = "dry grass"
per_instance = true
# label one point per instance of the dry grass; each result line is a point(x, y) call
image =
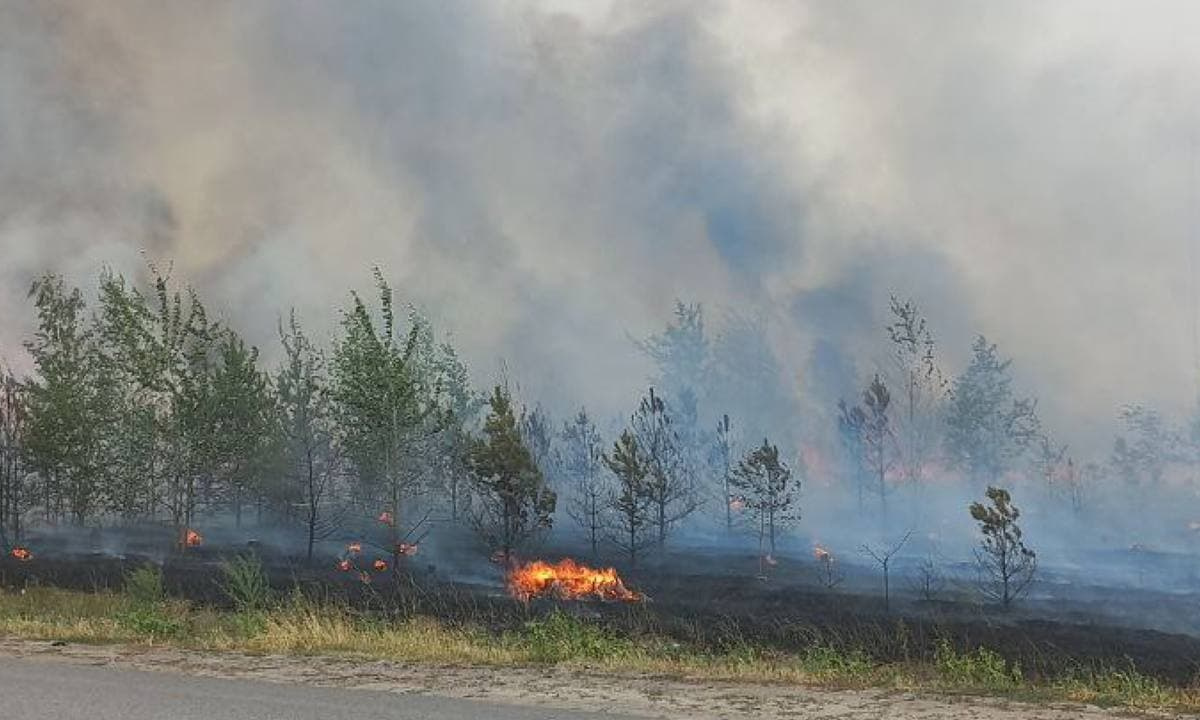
point(300, 627)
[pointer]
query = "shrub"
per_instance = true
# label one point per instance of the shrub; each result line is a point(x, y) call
point(982, 668)
point(144, 586)
point(245, 583)
point(559, 636)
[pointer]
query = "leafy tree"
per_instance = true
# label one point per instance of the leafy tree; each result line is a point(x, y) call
point(764, 485)
point(582, 463)
point(988, 427)
point(161, 346)
point(1142, 455)
point(666, 487)
point(66, 403)
point(923, 390)
point(13, 414)
point(459, 408)
point(313, 460)
point(514, 500)
point(680, 351)
point(538, 436)
point(387, 399)
point(1006, 566)
point(242, 420)
point(632, 528)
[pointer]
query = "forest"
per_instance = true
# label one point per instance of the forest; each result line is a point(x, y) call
point(142, 408)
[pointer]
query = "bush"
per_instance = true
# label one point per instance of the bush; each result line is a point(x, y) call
point(152, 621)
point(559, 636)
point(144, 586)
point(245, 583)
point(982, 668)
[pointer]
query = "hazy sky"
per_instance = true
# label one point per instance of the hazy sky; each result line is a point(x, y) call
point(546, 177)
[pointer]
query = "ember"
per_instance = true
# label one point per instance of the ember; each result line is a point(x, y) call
point(380, 566)
point(191, 538)
point(569, 581)
point(22, 554)
point(406, 549)
point(821, 554)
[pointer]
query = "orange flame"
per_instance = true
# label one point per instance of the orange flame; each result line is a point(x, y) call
point(380, 566)
point(821, 554)
point(344, 566)
point(568, 580)
point(22, 554)
point(192, 538)
point(354, 548)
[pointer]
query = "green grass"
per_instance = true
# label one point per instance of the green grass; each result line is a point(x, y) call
point(142, 614)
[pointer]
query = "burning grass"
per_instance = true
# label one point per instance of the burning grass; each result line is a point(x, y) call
point(297, 624)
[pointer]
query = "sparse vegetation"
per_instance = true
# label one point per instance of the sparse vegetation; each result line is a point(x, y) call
point(301, 626)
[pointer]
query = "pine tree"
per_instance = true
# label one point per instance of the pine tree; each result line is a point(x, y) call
point(666, 486)
point(988, 427)
point(631, 508)
point(764, 485)
point(1007, 566)
point(514, 502)
point(581, 461)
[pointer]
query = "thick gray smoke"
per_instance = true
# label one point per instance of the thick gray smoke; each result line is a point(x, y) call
point(546, 176)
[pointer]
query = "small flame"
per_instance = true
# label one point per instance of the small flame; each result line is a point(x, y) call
point(821, 554)
point(380, 566)
point(22, 553)
point(406, 549)
point(567, 580)
point(354, 548)
point(345, 566)
point(386, 517)
point(191, 538)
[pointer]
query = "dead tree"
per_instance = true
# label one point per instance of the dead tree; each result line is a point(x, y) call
point(883, 557)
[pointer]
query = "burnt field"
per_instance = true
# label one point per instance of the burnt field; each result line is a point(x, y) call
point(710, 603)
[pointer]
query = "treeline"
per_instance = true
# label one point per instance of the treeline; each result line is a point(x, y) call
point(142, 407)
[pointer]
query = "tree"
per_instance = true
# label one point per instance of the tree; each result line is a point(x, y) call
point(160, 347)
point(66, 403)
point(763, 483)
point(514, 500)
point(923, 390)
point(537, 435)
point(1007, 567)
point(13, 414)
point(666, 488)
point(312, 455)
point(1141, 455)
point(883, 557)
point(723, 461)
point(988, 427)
point(582, 463)
point(873, 439)
point(631, 531)
point(242, 420)
point(384, 385)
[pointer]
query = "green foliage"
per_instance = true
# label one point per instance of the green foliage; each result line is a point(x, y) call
point(630, 504)
point(829, 662)
point(763, 483)
point(987, 426)
point(1007, 566)
point(147, 612)
point(245, 583)
point(514, 500)
point(559, 637)
point(982, 668)
point(144, 586)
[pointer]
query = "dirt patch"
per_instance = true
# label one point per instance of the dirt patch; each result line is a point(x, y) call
point(568, 689)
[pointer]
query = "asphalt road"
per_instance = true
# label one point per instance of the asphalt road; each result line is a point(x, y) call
point(31, 690)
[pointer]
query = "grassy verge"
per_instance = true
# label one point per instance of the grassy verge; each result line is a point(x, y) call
point(144, 615)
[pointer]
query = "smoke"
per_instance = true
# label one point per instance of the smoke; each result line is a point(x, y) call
point(546, 177)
